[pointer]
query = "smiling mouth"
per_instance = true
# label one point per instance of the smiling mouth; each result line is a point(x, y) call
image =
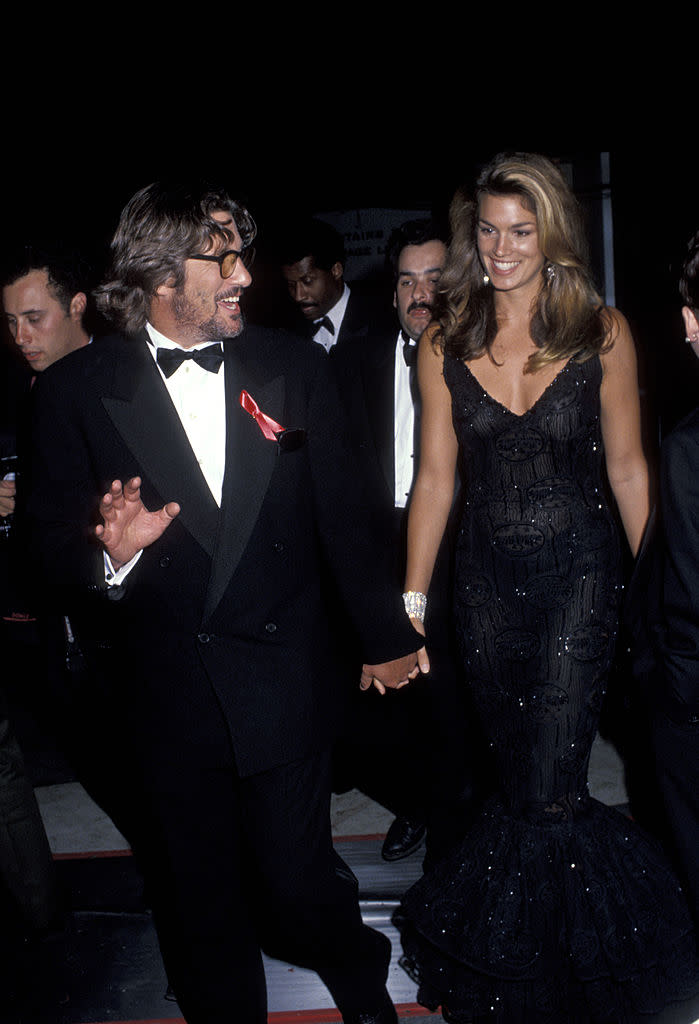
point(503, 266)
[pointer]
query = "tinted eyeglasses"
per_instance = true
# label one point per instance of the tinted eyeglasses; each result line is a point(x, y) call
point(227, 260)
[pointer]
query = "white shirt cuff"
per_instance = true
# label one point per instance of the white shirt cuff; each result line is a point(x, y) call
point(114, 576)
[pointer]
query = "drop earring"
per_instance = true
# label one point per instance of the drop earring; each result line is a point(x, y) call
point(551, 271)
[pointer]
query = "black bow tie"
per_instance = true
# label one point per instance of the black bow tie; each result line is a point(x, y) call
point(409, 350)
point(325, 322)
point(169, 359)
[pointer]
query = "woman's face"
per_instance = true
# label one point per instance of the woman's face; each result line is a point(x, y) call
point(508, 243)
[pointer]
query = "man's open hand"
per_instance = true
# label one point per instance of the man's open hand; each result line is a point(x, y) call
point(127, 526)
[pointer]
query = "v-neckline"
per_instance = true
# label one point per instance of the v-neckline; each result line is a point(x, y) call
point(506, 408)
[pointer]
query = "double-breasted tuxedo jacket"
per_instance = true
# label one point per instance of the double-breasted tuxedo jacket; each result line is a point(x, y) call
point(220, 650)
point(233, 595)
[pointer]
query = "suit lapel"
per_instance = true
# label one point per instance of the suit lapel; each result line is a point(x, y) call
point(250, 462)
point(142, 412)
point(379, 386)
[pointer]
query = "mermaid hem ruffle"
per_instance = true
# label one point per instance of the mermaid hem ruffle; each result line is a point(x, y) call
point(582, 913)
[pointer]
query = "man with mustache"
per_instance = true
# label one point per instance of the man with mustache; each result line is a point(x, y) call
point(222, 466)
point(383, 748)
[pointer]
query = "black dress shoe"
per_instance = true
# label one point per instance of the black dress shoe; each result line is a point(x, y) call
point(385, 1014)
point(403, 838)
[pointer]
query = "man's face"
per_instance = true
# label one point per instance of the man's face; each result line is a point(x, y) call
point(314, 291)
point(419, 270)
point(206, 306)
point(39, 324)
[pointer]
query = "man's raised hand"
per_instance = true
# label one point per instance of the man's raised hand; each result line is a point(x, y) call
point(127, 526)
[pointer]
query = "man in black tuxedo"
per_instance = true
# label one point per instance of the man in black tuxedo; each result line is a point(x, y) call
point(312, 258)
point(664, 615)
point(45, 290)
point(223, 472)
point(44, 302)
point(409, 750)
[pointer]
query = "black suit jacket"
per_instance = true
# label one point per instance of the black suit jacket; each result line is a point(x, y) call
point(365, 374)
point(362, 315)
point(229, 600)
point(663, 602)
point(358, 321)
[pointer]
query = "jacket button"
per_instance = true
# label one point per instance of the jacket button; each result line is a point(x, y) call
point(164, 561)
point(278, 546)
point(204, 638)
point(271, 627)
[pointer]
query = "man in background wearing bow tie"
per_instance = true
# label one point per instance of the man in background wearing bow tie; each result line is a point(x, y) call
point(222, 462)
point(312, 257)
point(384, 747)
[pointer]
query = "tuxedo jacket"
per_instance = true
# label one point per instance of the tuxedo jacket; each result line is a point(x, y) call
point(663, 603)
point(357, 321)
point(360, 320)
point(227, 602)
point(365, 375)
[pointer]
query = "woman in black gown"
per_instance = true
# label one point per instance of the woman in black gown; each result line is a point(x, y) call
point(555, 907)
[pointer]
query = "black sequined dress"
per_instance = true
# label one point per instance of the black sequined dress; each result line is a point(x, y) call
point(555, 908)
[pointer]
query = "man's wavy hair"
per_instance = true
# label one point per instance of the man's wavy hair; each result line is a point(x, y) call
point(159, 228)
point(568, 319)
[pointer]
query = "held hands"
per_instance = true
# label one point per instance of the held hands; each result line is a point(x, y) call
point(398, 673)
point(8, 489)
point(128, 526)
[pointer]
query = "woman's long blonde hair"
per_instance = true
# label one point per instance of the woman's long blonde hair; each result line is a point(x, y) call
point(568, 319)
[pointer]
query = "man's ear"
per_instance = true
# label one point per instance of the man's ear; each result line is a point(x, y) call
point(337, 270)
point(78, 305)
point(691, 325)
point(165, 288)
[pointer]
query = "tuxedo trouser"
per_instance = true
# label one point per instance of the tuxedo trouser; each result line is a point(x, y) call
point(235, 865)
point(26, 866)
point(676, 746)
point(413, 750)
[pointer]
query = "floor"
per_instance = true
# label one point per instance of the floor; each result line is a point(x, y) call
point(111, 969)
point(114, 968)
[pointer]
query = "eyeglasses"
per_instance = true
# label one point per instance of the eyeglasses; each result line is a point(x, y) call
point(228, 260)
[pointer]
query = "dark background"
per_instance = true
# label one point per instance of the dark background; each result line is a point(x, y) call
point(75, 191)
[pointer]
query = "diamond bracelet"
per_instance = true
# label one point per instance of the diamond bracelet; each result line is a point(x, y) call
point(415, 604)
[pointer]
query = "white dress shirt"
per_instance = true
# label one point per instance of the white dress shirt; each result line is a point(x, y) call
point(336, 314)
point(403, 427)
point(199, 398)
